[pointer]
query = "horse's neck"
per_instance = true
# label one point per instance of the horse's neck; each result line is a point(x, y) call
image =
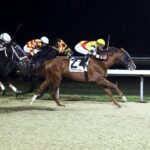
point(112, 60)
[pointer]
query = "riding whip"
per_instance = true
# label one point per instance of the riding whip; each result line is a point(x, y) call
point(17, 29)
point(108, 41)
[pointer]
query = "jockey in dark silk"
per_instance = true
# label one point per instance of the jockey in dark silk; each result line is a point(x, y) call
point(54, 49)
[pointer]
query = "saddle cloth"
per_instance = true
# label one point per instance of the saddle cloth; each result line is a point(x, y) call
point(76, 66)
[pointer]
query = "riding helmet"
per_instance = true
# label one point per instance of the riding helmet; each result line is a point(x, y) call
point(101, 42)
point(45, 40)
point(5, 37)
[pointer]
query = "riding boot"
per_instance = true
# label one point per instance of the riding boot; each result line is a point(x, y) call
point(84, 60)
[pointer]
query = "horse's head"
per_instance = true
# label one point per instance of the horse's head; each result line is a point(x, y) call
point(115, 55)
point(126, 59)
point(17, 55)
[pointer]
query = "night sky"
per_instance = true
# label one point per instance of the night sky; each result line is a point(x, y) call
point(127, 22)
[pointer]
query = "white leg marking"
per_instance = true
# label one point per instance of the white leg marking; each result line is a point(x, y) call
point(33, 99)
point(124, 99)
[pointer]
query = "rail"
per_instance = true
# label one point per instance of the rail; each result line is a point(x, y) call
point(140, 73)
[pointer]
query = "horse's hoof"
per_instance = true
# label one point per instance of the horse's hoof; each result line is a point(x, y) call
point(17, 93)
point(3, 92)
point(61, 105)
point(119, 106)
point(124, 99)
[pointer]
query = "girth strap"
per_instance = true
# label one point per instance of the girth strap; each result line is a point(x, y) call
point(86, 76)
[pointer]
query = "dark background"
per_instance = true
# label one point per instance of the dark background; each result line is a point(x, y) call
point(127, 22)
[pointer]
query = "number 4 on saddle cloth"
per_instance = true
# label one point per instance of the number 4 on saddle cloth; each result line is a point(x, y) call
point(78, 64)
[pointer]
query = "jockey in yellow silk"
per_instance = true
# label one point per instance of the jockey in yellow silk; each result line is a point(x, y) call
point(88, 48)
point(84, 47)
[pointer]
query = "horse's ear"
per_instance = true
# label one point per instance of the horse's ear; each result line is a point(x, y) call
point(122, 48)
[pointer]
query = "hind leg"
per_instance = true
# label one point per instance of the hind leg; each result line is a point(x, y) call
point(40, 90)
point(55, 95)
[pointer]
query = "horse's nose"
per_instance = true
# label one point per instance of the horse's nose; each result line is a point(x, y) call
point(132, 67)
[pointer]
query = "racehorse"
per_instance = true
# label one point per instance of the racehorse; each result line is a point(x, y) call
point(58, 68)
point(12, 59)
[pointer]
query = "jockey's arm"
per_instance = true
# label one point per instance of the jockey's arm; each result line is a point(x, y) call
point(93, 50)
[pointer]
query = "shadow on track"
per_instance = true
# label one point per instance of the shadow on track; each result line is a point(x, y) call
point(24, 108)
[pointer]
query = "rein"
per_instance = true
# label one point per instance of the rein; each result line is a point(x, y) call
point(14, 52)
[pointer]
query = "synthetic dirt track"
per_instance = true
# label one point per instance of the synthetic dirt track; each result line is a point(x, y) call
point(81, 125)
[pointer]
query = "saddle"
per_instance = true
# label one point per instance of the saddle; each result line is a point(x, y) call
point(79, 64)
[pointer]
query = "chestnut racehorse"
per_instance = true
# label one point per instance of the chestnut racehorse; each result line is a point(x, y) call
point(55, 69)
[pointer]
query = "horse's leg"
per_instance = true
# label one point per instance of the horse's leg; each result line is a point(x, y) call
point(109, 93)
point(40, 90)
point(16, 91)
point(3, 92)
point(33, 80)
point(10, 71)
point(55, 95)
point(111, 85)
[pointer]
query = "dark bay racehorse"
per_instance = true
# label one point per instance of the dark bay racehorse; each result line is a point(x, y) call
point(12, 59)
point(55, 69)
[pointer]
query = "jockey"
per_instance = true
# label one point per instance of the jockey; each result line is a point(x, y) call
point(90, 48)
point(57, 48)
point(34, 46)
point(5, 39)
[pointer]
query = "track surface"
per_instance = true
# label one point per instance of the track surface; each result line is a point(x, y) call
point(81, 125)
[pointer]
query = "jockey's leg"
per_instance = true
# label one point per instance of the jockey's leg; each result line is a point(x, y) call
point(2, 88)
point(84, 60)
point(84, 52)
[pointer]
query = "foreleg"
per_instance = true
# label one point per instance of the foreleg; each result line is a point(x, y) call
point(109, 85)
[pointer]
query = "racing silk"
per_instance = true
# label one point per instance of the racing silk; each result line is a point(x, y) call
point(62, 46)
point(33, 45)
point(88, 44)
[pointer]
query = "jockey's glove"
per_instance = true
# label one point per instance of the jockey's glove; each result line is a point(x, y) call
point(92, 52)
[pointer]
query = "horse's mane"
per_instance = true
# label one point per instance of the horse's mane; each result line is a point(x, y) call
point(109, 51)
